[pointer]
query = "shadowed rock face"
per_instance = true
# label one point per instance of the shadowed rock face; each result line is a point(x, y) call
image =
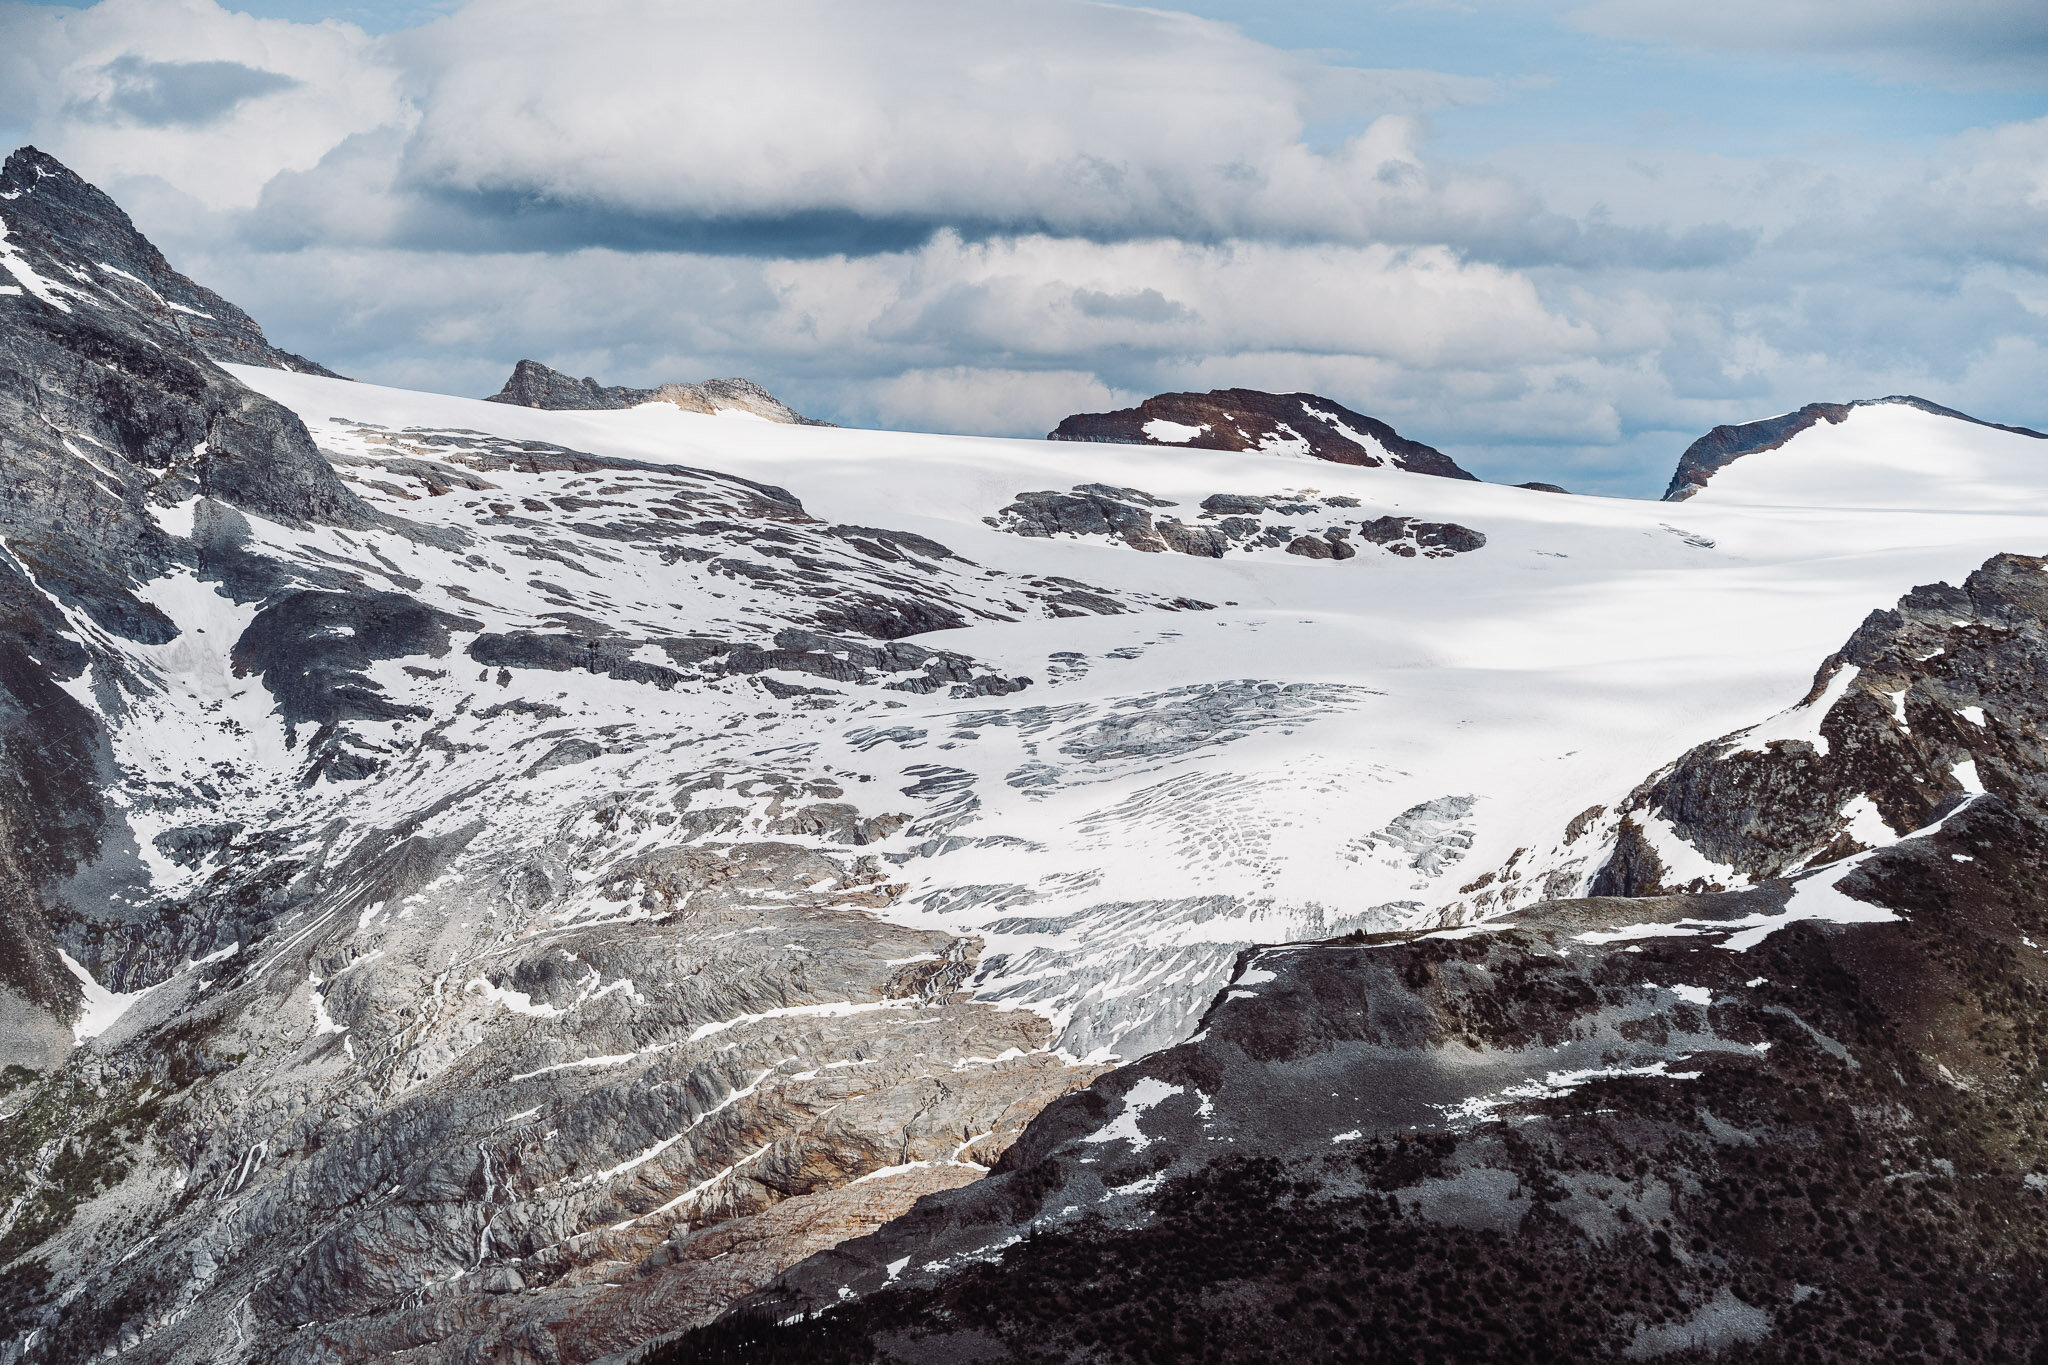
point(1247, 419)
point(111, 409)
point(1724, 445)
point(534, 385)
point(1801, 1120)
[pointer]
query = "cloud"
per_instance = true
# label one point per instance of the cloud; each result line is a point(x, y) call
point(1967, 43)
point(213, 103)
point(1035, 115)
point(188, 94)
point(955, 215)
point(986, 402)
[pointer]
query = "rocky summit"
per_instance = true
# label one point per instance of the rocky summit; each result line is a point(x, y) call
point(594, 877)
point(1296, 424)
point(534, 385)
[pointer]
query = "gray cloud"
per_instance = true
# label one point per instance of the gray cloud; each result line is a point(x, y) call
point(179, 94)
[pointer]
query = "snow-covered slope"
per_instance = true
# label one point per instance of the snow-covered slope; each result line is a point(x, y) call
point(1337, 744)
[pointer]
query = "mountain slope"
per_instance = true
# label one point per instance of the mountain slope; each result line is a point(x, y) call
point(1799, 1121)
point(539, 874)
point(111, 409)
point(57, 219)
point(1724, 445)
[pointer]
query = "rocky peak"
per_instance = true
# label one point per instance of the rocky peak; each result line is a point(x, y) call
point(1724, 445)
point(1301, 424)
point(534, 385)
point(49, 208)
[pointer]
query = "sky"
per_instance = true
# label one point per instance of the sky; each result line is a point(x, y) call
point(1557, 239)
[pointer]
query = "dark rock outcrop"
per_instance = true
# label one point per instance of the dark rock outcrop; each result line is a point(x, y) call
point(1724, 445)
point(534, 385)
point(1243, 522)
point(1248, 419)
point(1925, 704)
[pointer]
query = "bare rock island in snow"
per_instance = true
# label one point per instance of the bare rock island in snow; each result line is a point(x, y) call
point(1302, 424)
point(534, 385)
point(1229, 522)
point(594, 871)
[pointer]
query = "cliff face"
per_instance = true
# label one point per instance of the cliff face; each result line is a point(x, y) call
point(1799, 1120)
point(1300, 424)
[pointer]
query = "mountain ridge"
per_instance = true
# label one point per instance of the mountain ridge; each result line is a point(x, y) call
point(37, 188)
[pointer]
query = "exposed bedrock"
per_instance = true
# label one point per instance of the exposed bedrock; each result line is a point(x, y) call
point(1227, 523)
point(1926, 703)
point(111, 409)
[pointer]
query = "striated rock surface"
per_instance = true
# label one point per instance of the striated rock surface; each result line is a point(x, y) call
point(1299, 424)
point(1724, 445)
point(534, 385)
point(1803, 1120)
